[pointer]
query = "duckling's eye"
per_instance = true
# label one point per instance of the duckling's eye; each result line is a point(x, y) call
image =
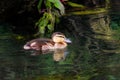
point(61, 36)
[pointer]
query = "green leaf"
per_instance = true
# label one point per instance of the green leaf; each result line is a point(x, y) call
point(39, 4)
point(75, 5)
point(52, 1)
point(50, 27)
point(48, 4)
point(42, 29)
point(60, 6)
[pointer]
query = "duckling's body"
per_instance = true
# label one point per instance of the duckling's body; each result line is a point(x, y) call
point(57, 42)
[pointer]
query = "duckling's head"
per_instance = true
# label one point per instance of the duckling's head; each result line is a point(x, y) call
point(60, 37)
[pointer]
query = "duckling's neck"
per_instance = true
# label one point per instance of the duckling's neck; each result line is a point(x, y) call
point(60, 45)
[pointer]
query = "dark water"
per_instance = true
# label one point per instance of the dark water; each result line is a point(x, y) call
point(77, 63)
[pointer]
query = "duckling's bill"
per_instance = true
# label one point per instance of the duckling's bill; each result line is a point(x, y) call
point(68, 40)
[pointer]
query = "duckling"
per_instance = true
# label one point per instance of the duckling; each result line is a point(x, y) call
point(58, 41)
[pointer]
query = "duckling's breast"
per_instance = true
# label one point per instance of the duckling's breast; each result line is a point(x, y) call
point(60, 45)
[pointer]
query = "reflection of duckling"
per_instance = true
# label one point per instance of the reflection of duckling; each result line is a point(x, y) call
point(59, 54)
point(58, 41)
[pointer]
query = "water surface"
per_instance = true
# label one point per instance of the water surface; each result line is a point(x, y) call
point(77, 63)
